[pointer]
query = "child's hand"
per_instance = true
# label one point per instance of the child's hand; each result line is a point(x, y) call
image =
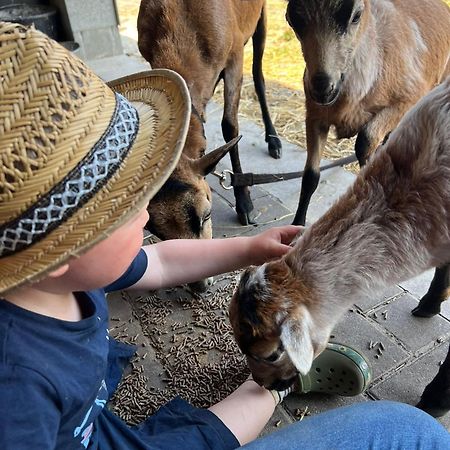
point(272, 243)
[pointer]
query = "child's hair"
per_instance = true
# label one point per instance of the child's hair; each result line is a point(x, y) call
point(76, 159)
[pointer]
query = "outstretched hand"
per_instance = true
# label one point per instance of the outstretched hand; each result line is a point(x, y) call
point(273, 243)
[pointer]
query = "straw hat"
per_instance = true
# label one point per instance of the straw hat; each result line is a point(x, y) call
point(77, 159)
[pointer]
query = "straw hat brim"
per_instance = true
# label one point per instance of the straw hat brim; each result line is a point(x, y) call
point(162, 99)
point(166, 92)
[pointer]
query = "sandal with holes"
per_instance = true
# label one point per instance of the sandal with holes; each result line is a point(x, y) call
point(339, 370)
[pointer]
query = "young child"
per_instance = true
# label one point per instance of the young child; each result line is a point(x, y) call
point(79, 164)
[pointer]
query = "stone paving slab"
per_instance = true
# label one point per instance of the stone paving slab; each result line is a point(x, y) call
point(316, 403)
point(407, 384)
point(269, 213)
point(358, 331)
point(415, 333)
point(279, 419)
point(117, 66)
point(255, 158)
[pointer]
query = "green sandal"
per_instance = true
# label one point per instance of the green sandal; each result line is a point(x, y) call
point(339, 370)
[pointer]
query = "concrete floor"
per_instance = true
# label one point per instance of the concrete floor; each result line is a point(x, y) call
point(414, 346)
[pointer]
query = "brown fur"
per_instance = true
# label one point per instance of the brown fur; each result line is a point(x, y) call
point(392, 224)
point(204, 43)
point(398, 51)
point(196, 39)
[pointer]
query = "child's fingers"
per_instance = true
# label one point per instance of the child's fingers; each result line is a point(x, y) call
point(289, 232)
point(280, 250)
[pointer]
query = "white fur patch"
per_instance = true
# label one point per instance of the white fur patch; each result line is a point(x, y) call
point(366, 69)
point(296, 339)
point(412, 56)
point(420, 43)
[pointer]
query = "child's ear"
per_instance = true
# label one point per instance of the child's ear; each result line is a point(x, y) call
point(59, 271)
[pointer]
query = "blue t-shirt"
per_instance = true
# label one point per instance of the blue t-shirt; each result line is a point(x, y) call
point(52, 372)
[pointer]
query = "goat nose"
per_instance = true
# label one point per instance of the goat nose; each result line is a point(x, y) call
point(321, 84)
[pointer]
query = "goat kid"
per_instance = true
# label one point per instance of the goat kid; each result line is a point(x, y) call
point(204, 43)
point(367, 63)
point(392, 224)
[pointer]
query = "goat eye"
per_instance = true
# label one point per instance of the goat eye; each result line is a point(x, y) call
point(357, 17)
point(276, 355)
point(273, 357)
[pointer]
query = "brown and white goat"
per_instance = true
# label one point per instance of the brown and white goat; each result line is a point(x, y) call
point(391, 224)
point(204, 42)
point(367, 63)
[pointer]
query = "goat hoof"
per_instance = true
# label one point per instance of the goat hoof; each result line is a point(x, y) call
point(244, 207)
point(246, 218)
point(274, 147)
point(420, 311)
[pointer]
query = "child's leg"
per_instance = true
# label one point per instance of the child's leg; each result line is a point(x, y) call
point(380, 425)
point(246, 411)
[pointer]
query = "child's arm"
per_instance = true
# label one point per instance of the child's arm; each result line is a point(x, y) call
point(180, 261)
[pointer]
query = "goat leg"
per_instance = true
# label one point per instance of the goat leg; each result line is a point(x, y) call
point(316, 137)
point(435, 399)
point(362, 146)
point(259, 40)
point(430, 303)
point(232, 78)
point(377, 131)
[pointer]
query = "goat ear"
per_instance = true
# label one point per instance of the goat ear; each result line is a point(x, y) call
point(207, 163)
point(296, 340)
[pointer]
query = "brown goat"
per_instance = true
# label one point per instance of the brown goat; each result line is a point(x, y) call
point(204, 43)
point(392, 224)
point(367, 63)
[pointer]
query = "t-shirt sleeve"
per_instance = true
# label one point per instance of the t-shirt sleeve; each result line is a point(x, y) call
point(29, 412)
point(132, 275)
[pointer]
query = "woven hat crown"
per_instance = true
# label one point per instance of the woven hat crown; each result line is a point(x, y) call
point(43, 94)
point(76, 158)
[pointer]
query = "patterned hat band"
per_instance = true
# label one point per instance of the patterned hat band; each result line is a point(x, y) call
point(78, 187)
